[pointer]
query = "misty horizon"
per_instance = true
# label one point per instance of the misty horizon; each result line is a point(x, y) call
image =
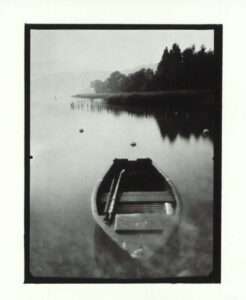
point(66, 51)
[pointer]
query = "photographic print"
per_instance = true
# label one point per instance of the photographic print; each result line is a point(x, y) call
point(123, 153)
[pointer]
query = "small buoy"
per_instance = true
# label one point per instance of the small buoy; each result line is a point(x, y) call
point(30, 156)
point(133, 144)
point(81, 130)
point(205, 132)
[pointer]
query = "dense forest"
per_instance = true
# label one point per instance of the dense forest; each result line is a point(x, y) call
point(187, 69)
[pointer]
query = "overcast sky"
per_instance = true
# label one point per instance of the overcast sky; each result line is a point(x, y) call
point(55, 51)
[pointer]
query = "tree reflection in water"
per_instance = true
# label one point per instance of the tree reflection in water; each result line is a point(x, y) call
point(171, 121)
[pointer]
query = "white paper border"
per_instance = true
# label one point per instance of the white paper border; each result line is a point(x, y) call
point(13, 15)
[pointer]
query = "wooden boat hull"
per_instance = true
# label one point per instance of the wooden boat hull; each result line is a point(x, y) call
point(146, 211)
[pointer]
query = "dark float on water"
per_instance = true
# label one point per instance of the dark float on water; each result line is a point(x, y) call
point(137, 206)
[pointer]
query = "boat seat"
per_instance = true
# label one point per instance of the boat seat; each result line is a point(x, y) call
point(146, 197)
point(138, 222)
point(143, 197)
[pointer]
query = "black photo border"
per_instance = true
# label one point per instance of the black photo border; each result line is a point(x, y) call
point(215, 275)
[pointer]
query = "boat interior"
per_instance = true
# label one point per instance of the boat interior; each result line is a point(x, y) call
point(142, 189)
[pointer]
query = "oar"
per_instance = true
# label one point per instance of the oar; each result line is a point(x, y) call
point(109, 196)
point(113, 201)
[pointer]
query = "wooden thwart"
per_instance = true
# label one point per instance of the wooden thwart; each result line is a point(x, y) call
point(144, 197)
point(139, 222)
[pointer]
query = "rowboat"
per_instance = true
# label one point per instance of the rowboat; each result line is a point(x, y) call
point(137, 206)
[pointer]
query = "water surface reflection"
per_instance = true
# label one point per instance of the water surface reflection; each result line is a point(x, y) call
point(170, 122)
point(68, 161)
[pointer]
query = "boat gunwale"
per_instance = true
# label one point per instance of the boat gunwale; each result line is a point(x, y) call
point(174, 189)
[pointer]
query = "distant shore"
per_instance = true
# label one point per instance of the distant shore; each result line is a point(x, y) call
point(168, 97)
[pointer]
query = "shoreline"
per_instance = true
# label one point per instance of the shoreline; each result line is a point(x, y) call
point(176, 97)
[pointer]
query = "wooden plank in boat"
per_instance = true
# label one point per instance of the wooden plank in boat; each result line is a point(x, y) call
point(143, 197)
point(138, 222)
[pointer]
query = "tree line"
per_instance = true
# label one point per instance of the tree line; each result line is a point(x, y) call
point(187, 69)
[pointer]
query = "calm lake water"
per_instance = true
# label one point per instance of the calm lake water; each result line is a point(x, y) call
point(66, 164)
